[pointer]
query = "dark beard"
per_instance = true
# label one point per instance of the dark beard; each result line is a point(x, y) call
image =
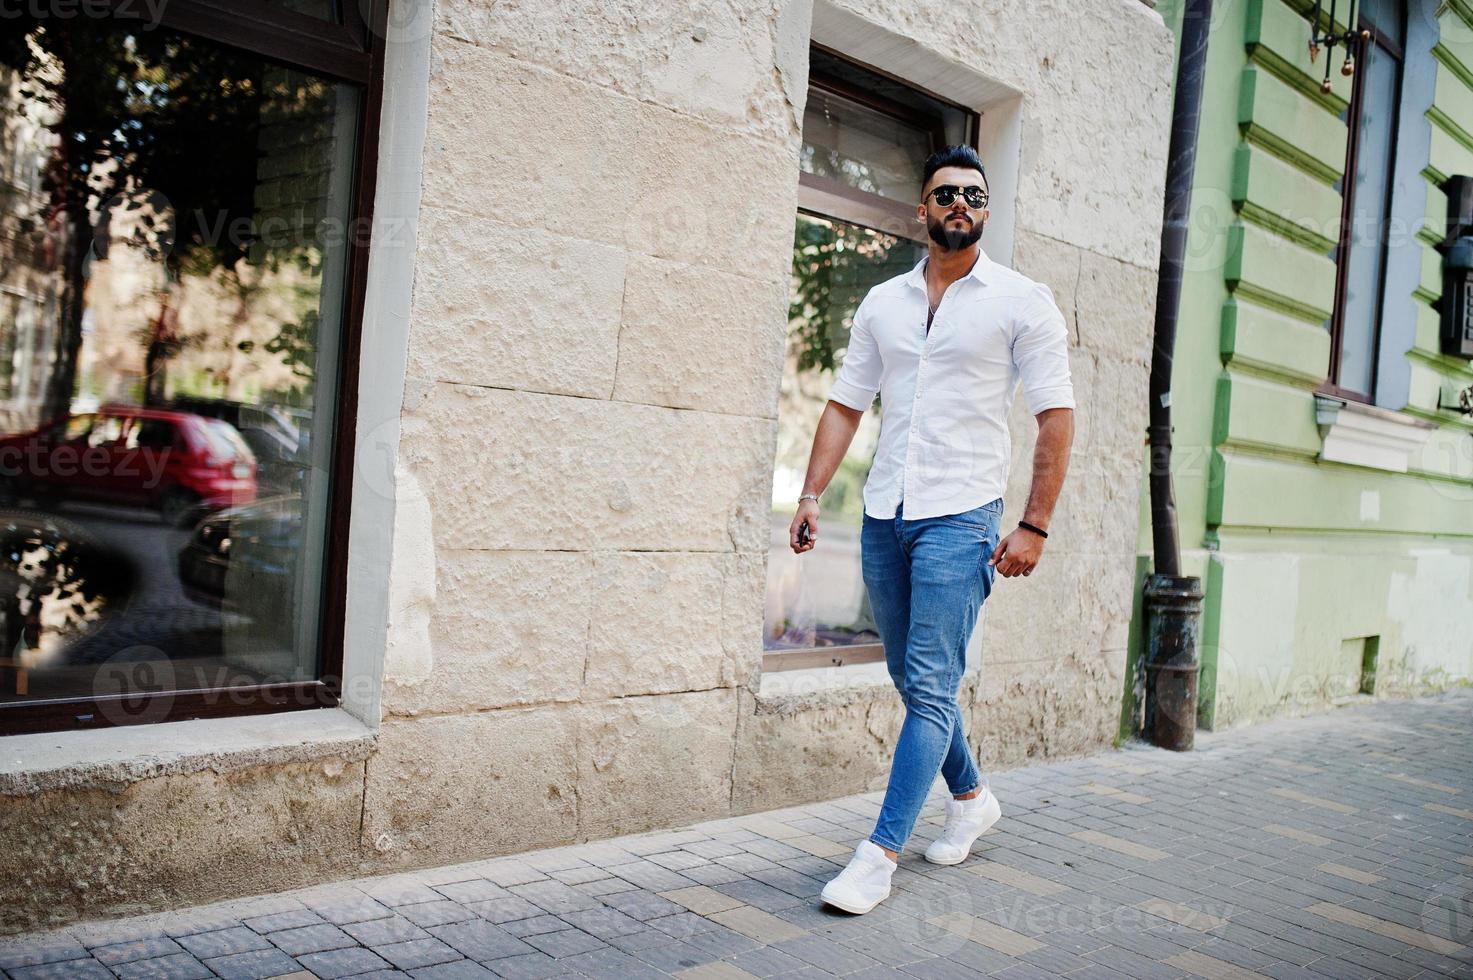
point(954, 241)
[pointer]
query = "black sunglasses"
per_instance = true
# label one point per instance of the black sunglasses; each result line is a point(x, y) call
point(975, 196)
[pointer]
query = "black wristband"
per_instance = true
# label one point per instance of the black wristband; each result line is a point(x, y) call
point(1036, 530)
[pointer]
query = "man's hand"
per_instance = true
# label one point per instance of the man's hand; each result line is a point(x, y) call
point(807, 511)
point(1017, 553)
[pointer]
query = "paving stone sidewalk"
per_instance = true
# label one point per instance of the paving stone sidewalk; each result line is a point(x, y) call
point(1339, 845)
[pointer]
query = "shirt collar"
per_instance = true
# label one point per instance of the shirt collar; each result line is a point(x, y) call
point(981, 270)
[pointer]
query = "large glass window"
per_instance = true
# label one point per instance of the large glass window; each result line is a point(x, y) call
point(177, 245)
point(1366, 187)
point(865, 140)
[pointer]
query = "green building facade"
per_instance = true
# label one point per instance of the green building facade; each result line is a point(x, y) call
point(1323, 467)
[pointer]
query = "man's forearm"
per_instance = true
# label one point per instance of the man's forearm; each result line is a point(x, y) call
point(836, 428)
point(1050, 462)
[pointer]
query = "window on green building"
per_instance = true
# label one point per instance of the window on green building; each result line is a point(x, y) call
point(1366, 188)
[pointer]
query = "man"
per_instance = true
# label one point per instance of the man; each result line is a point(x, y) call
point(945, 345)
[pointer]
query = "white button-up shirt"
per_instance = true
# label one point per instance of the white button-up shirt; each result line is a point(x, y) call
point(945, 394)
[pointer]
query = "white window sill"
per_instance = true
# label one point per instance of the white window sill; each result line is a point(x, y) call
point(823, 680)
point(1365, 435)
point(104, 757)
point(856, 679)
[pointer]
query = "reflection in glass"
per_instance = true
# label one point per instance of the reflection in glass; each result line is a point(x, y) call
point(173, 232)
point(819, 599)
point(328, 10)
point(862, 147)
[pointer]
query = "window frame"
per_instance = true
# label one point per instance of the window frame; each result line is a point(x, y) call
point(351, 51)
point(1331, 385)
point(824, 197)
point(833, 200)
point(346, 50)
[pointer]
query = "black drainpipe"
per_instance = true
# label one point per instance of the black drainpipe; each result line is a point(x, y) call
point(1173, 602)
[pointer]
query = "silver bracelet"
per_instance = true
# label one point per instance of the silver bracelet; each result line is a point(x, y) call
point(808, 496)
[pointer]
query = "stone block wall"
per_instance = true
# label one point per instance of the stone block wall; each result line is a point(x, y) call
point(583, 486)
point(590, 418)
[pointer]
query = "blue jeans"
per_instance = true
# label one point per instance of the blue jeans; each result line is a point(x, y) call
point(927, 580)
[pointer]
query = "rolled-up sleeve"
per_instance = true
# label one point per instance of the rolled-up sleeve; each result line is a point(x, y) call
point(1041, 353)
point(859, 375)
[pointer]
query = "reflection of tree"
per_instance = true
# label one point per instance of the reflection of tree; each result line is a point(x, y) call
point(163, 343)
point(156, 134)
point(53, 580)
point(297, 345)
point(829, 162)
point(834, 265)
point(256, 332)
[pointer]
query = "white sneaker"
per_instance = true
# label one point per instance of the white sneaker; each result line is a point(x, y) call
point(864, 882)
point(966, 820)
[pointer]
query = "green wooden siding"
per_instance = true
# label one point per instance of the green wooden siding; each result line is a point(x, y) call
point(1249, 477)
point(1276, 36)
point(1264, 341)
point(1280, 272)
point(1283, 199)
point(1260, 490)
point(1265, 414)
point(1279, 277)
point(1290, 124)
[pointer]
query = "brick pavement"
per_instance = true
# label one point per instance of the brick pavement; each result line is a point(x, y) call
point(1339, 845)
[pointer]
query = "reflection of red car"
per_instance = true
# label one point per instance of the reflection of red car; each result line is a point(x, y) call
point(177, 463)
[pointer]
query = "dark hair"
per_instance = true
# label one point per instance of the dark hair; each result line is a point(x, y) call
point(951, 156)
